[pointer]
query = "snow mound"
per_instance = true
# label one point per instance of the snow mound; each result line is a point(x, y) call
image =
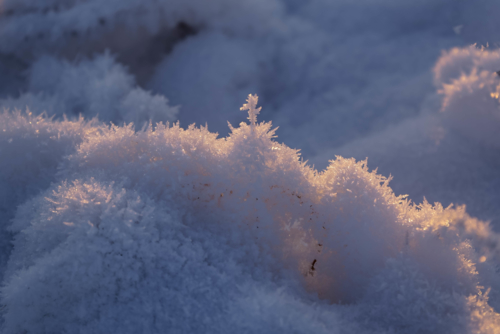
point(98, 87)
point(31, 148)
point(176, 228)
point(449, 156)
point(469, 81)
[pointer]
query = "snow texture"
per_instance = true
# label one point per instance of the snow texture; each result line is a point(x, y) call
point(99, 87)
point(117, 215)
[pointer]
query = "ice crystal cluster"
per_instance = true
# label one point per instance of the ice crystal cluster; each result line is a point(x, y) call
point(116, 216)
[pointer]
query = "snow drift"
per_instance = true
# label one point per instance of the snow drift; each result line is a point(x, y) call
point(114, 218)
point(448, 153)
point(170, 228)
point(471, 87)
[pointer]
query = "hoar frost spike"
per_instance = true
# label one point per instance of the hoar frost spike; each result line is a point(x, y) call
point(252, 110)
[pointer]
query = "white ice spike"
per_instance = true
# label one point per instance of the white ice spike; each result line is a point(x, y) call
point(252, 110)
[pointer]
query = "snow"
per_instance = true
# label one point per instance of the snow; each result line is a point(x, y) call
point(98, 87)
point(117, 215)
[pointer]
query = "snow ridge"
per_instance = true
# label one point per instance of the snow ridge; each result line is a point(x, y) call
point(174, 228)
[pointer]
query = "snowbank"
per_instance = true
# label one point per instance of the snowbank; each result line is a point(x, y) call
point(31, 149)
point(471, 89)
point(169, 228)
point(449, 153)
point(129, 225)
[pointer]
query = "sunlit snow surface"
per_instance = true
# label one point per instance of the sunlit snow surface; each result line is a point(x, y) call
point(148, 226)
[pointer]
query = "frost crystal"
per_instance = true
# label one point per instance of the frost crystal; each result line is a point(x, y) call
point(252, 110)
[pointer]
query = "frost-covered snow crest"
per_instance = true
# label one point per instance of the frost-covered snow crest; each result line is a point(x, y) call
point(469, 80)
point(176, 229)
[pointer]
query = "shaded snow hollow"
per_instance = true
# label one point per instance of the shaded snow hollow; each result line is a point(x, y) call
point(171, 229)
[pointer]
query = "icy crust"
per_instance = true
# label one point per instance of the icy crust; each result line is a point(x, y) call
point(90, 87)
point(176, 228)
